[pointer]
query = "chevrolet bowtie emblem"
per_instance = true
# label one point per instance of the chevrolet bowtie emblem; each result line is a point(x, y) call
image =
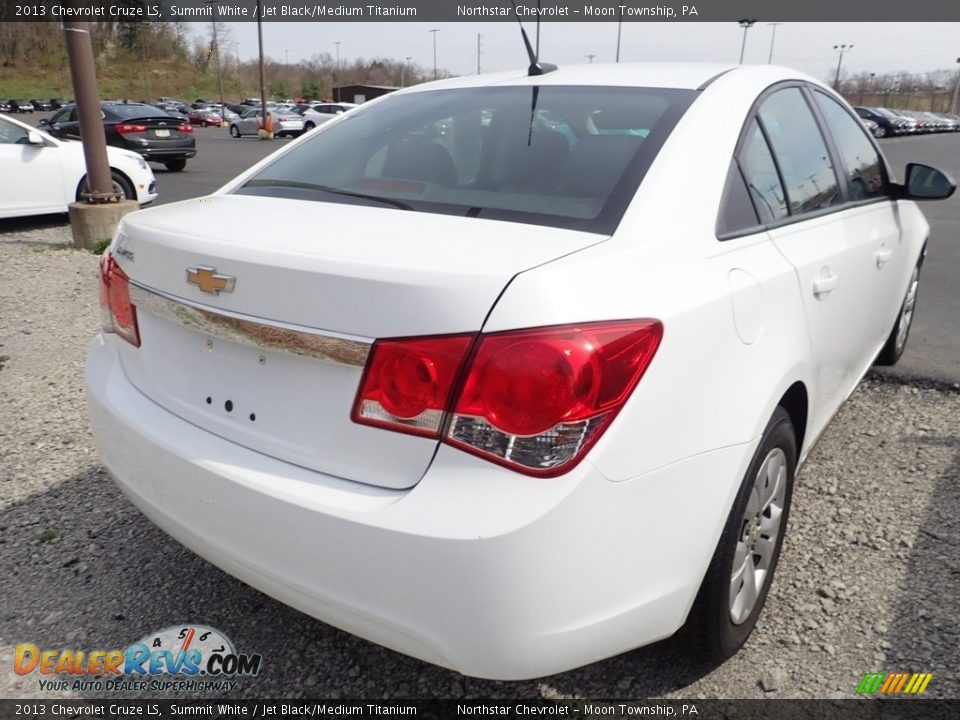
point(209, 281)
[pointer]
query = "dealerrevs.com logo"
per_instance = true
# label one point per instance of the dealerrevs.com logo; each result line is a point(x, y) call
point(182, 657)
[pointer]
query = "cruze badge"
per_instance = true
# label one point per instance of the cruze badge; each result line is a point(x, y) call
point(209, 281)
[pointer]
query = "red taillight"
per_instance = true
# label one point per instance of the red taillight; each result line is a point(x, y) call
point(534, 400)
point(124, 128)
point(186, 127)
point(118, 314)
point(407, 383)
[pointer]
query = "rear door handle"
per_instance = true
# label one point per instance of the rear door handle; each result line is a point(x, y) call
point(824, 285)
point(883, 256)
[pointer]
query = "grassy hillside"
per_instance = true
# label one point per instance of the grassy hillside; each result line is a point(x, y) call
point(118, 80)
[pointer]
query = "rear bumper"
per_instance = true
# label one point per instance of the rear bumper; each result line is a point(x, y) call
point(162, 154)
point(475, 568)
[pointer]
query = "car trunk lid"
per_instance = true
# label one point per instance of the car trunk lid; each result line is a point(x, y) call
point(275, 363)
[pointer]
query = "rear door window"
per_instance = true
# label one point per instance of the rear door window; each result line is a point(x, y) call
point(802, 156)
point(861, 162)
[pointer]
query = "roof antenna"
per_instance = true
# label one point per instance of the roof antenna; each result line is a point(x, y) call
point(536, 68)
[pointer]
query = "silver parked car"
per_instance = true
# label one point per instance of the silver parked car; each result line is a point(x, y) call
point(283, 122)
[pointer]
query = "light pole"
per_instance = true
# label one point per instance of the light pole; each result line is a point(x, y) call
point(773, 36)
point(956, 92)
point(266, 131)
point(841, 49)
point(619, 30)
point(337, 43)
point(434, 33)
point(216, 49)
point(590, 57)
point(746, 24)
point(403, 69)
point(286, 57)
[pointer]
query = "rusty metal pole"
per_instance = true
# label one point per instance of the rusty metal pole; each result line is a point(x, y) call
point(84, 76)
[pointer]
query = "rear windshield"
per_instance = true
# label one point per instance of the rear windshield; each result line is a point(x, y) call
point(552, 155)
point(134, 110)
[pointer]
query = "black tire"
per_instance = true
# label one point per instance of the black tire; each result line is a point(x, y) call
point(308, 126)
point(710, 628)
point(234, 131)
point(896, 343)
point(880, 132)
point(120, 184)
point(176, 165)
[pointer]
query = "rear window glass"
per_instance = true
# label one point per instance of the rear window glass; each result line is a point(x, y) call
point(550, 155)
point(134, 110)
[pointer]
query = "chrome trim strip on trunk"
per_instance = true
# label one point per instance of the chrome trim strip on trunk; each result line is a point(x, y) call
point(321, 345)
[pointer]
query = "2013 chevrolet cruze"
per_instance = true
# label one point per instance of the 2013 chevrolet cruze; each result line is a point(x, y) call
point(574, 330)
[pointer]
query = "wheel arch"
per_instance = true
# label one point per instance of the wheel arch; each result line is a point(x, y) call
point(118, 171)
point(796, 403)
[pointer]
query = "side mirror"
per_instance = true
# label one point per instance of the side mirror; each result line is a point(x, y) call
point(35, 138)
point(925, 183)
point(44, 121)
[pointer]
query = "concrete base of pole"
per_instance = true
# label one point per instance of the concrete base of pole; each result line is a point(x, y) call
point(264, 134)
point(94, 223)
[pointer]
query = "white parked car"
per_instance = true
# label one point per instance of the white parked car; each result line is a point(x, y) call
point(543, 397)
point(321, 112)
point(40, 174)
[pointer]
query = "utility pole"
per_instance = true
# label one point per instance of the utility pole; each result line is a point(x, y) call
point(267, 125)
point(619, 31)
point(746, 25)
point(216, 50)
point(478, 53)
point(841, 49)
point(590, 57)
point(337, 43)
point(956, 91)
point(773, 36)
point(434, 32)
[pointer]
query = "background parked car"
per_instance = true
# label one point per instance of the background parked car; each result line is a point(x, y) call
point(321, 112)
point(870, 125)
point(205, 117)
point(889, 123)
point(57, 103)
point(41, 105)
point(4, 105)
point(50, 174)
point(21, 106)
point(147, 131)
point(284, 123)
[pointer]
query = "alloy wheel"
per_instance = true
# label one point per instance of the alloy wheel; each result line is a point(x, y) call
point(760, 529)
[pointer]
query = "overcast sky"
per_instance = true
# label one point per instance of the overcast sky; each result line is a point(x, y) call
point(878, 47)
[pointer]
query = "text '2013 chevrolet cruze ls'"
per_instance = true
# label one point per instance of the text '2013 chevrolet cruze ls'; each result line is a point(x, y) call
point(576, 326)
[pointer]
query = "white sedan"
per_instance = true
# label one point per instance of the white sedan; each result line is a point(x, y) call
point(542, 396)
point(322, 112)
point(40, 174)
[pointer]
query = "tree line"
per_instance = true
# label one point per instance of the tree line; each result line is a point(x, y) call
point(156, 57)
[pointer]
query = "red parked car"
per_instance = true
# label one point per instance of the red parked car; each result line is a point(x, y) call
point(204, 117)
